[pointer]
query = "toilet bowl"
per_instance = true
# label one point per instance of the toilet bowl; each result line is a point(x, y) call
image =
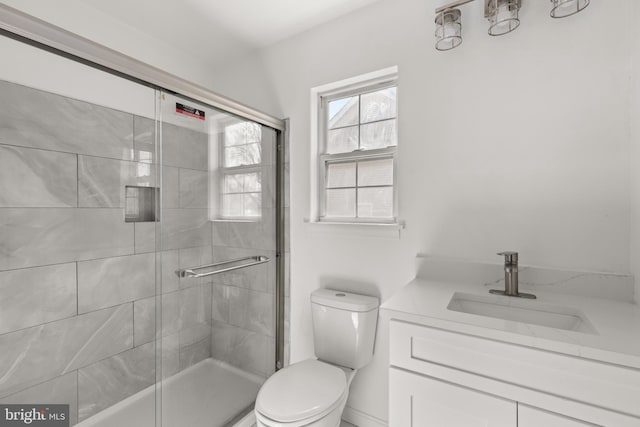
point(314, 392)
point(308, 393)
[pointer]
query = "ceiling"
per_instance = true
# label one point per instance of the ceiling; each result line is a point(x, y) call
point(217, 30)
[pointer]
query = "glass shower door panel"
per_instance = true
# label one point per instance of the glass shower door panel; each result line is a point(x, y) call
point(217, 204)
point(76, 278)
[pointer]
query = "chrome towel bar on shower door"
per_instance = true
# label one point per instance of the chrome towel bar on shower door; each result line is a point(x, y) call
point(191, 272)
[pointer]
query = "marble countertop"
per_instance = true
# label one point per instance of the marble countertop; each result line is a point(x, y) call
point(606, 300)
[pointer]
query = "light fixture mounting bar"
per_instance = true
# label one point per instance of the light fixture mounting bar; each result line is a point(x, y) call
point(489, 6)
point(453, 4)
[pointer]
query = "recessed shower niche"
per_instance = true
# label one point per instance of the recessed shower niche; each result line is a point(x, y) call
point(140, 204)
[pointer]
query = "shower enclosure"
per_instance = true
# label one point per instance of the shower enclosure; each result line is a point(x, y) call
point(141, 264)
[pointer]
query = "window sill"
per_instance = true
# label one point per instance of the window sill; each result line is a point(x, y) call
point(249, 221)
point(363, 229)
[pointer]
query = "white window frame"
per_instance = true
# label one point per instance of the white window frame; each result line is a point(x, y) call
point(320, 98)
point(223, 171)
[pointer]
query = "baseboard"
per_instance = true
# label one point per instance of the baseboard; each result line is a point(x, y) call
point(360, 419)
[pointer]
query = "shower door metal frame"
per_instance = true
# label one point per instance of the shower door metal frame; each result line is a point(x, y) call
point(19, 25)
point(28, 29)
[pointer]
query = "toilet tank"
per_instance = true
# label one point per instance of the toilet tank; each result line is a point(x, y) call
point(344, 327)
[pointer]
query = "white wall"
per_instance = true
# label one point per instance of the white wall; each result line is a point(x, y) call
point(518, 142)
point(635, 149)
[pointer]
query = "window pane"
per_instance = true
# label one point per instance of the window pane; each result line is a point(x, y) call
point(253, 132)
point(232, 205)
point(375, 202)
point(252, 204)
point(379, 134)
point(375, 172)
point(341, 203)
point(234, 156)
point(233, 183)
point(235, 134)
point(343, 112)
point(343, 140)
point(341, 175)
point(253, 154)
point(252, 182)
point(378, 105)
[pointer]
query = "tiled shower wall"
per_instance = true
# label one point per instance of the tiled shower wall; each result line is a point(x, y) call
point(243, 333)
point(77, 283)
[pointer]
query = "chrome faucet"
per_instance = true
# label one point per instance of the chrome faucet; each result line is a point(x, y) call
point(511, 277)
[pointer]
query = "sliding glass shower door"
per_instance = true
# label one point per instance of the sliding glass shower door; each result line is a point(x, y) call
point(117, 203)
point(217, 249)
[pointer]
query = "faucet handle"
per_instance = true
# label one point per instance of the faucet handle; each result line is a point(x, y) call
point(510, 257)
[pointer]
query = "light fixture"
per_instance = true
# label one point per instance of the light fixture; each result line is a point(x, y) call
point(448, 29)
point(503, 16)
point(564, 8)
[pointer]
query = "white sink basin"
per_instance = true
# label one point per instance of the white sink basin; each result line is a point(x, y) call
point(521, 310)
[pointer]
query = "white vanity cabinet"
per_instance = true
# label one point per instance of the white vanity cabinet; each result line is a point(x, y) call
point(417, 400)
point(442, 378)
point(534, 417)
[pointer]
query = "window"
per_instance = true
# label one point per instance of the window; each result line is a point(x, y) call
point(240, 172)
point(357, 151)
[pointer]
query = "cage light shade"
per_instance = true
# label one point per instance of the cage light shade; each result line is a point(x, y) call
point(448, 29)
point(503, 17)
point(564, 8)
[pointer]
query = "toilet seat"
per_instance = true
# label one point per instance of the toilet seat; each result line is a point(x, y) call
point(305, 391)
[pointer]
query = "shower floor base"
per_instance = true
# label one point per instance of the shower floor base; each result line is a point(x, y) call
point(208, 394)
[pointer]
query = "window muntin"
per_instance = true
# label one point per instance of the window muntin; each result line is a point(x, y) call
point(365, 121)
point(240, 174)
point(357, 163)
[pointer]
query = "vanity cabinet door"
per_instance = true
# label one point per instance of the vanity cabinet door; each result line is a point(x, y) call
point(533, 417)
point(420, 401)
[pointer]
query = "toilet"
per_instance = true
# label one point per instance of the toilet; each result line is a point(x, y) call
point(314, 392)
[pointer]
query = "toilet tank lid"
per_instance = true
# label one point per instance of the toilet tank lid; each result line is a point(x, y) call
point(344, 300)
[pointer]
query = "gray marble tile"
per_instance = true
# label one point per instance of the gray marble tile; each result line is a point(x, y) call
point(195, 257)
point(112, 281)
point(186, 308)
point(144, 321)
point(194, 189)
point(38, 119)
point(185, 228)
point(268, 146)
point(170, 355)
point(145, 236)
point(37, 178)
point(252, 310)
point(244, 349)
point(170, 261)
point(109, 381)
point(192, 353)
point(268, 180)
point(170, 187)
point(184, 148)
point(101, 182)
point(37, 354)
point(42, 236)
point(258, 277)
point(144, 139)
point(61, 390)
point(32, 296)
point(221, 295)
point(252, 235)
